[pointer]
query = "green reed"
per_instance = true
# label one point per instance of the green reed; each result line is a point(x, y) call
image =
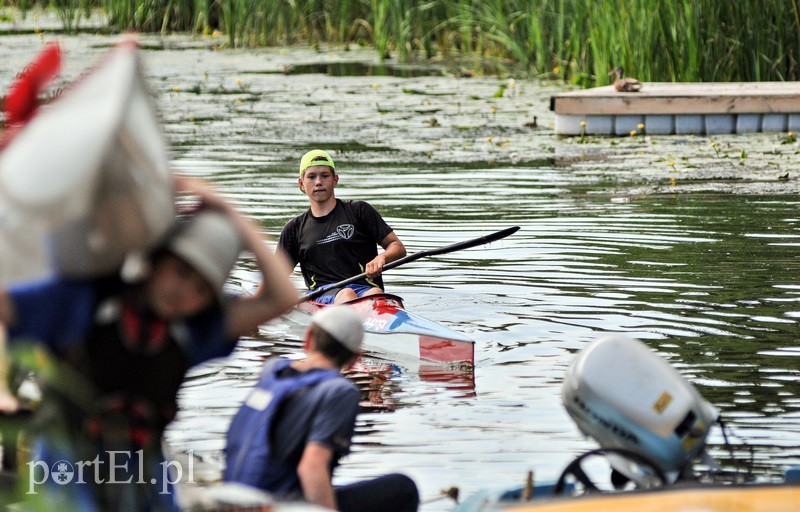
point(576, 40)
point(70, 12)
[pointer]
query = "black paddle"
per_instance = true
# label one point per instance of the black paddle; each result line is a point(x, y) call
point(467, 244)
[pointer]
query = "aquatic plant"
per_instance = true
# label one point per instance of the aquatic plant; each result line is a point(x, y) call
point(576, 40)
point(70, 12)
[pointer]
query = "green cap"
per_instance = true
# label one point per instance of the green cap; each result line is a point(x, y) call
point(311, 157)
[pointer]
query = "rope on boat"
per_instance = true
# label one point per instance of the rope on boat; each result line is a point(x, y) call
point(749, 469)
point(527, 491)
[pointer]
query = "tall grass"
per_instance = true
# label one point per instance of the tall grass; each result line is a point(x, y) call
point(577, 40)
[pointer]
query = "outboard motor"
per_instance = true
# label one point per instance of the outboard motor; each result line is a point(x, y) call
point(620, 393)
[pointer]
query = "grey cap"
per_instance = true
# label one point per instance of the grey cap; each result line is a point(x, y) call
point(209, 242)
point(344, 324)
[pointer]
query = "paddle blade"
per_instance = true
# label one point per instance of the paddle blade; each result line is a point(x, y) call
point(458, 246)
point(481, 240)
point(20, 102)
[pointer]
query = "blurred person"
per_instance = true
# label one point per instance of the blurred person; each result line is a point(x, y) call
point(117, 353)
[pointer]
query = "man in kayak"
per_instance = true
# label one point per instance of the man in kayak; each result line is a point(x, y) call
point(298, 421)
point(118, 352)
point(336, 239)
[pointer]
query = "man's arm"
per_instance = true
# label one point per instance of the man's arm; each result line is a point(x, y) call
point(8, 403)
point(6, 309)
point(284, 249)
point(315, 476)
point(245, 314)
point(393, 250)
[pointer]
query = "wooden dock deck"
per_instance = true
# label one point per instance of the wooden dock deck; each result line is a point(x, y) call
point(680, 108)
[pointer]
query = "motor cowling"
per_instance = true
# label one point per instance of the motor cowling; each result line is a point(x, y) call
point(623, 395)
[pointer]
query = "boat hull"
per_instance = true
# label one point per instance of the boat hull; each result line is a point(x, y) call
point(87, 181)
point(391, 330)
point(751, 498)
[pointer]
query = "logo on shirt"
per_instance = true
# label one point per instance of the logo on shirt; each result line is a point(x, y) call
point(345, 231)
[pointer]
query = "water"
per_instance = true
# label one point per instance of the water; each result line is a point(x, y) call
point(709, 281)
point(704, 268)
point(348, 68)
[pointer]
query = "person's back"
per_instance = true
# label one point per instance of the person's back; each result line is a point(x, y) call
point(298, 421)
point(313, 405)
point(122, 351)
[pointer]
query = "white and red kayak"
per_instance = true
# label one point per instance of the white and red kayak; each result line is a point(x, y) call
point(390, 329)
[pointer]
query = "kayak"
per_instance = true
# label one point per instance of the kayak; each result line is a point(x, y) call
point(390, 329)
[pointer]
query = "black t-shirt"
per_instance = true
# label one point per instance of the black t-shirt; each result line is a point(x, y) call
point(336, 246)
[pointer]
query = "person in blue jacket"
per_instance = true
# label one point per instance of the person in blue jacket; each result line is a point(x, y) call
point(118, 352)
point(298, 421)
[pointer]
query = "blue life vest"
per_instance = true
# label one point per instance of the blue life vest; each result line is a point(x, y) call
point(248, 458)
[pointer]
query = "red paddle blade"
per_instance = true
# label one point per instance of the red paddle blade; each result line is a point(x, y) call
point(20, 102)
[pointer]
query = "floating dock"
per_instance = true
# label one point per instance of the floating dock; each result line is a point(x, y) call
point(680, 108)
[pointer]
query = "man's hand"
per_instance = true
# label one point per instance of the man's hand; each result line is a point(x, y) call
point(8, 402)
point(375, 267)
point(203, 190)
point(393, 250)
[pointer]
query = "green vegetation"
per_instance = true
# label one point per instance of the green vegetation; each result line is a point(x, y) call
point(575, 40)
